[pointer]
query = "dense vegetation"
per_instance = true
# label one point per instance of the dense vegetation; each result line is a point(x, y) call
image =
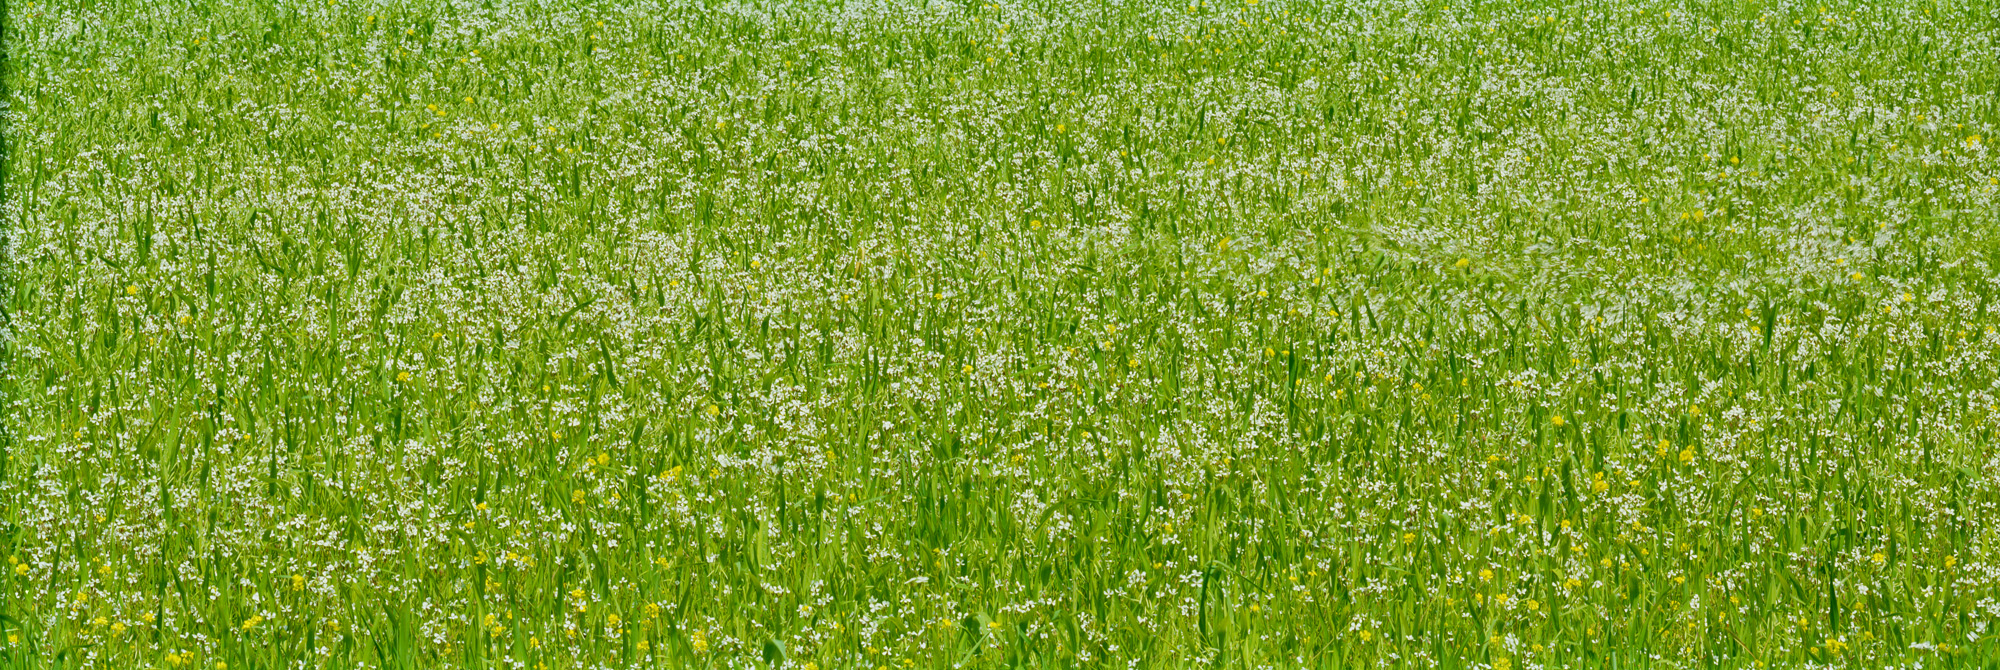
point(558, 334)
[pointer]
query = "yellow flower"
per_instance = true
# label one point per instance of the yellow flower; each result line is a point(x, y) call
point(1559, 422)
point(1687, 455)
point(1879, 559)
point(132, 289)
point(298, 582)
point(1485, 575)
point(1462, 262)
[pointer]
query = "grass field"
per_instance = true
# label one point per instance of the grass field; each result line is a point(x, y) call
point(558, 334)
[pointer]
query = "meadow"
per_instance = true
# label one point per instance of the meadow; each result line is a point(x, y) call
point(898, 334)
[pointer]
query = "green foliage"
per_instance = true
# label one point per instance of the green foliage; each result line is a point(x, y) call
point(558, 334)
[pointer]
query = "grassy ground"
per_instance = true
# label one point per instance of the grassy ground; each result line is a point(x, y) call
point(559, 334)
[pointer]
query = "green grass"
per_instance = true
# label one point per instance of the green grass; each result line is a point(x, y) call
point(559, 334)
